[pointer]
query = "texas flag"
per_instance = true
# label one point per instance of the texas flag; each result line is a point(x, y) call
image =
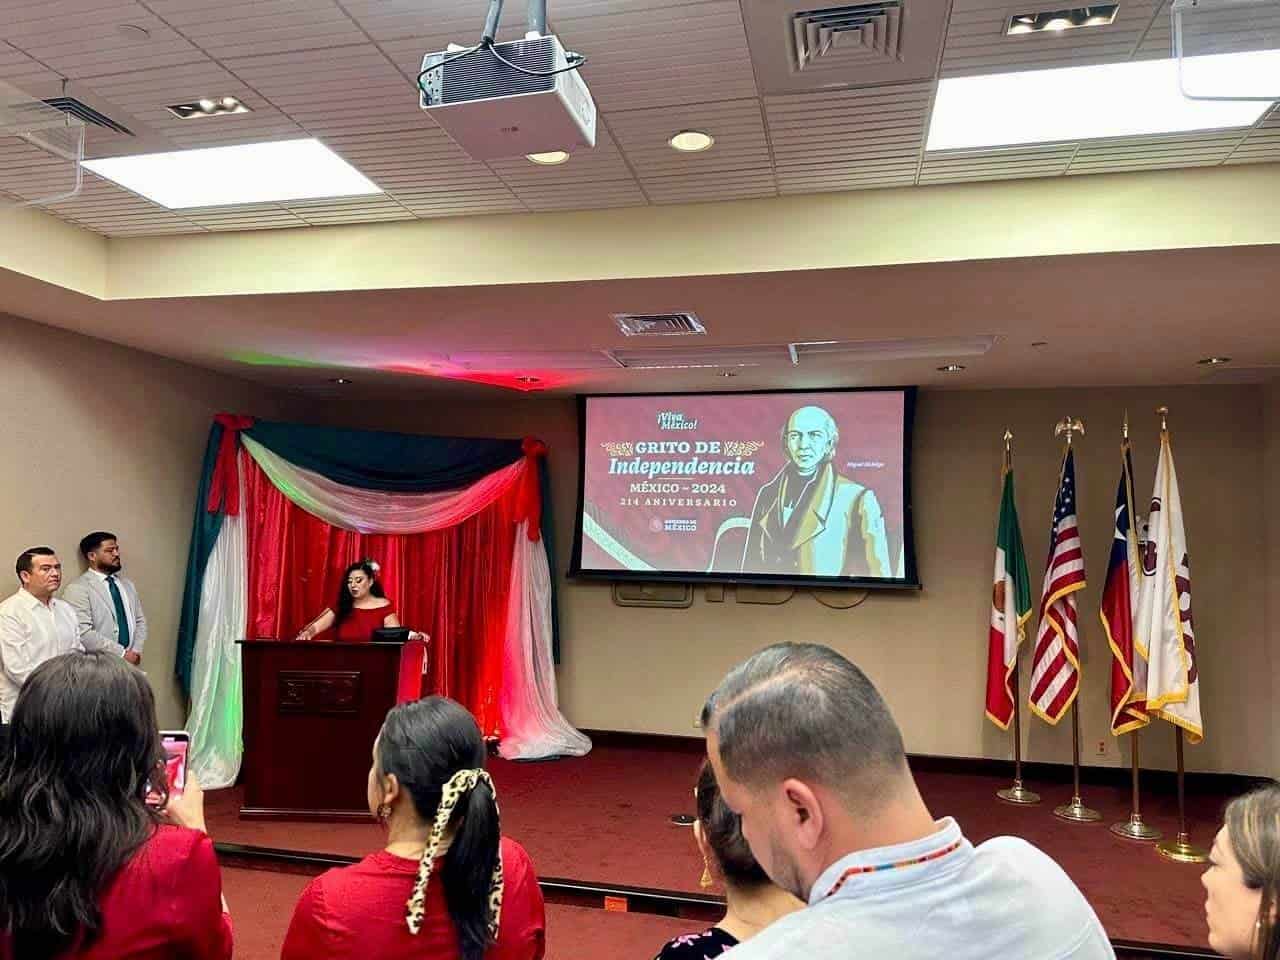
point(1119, 600)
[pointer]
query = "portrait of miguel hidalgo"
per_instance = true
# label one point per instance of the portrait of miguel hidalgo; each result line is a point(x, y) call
point(809, 520)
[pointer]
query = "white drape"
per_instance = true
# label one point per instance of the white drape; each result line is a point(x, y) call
point(532, 726)
point(374, 511)
point(217, 696)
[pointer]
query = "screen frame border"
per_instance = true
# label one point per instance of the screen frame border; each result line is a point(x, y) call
point(911, 580)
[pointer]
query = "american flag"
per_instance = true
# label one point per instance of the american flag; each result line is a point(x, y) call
point(1055, 666)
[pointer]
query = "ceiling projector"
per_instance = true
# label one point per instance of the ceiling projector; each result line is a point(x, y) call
point(509, 99)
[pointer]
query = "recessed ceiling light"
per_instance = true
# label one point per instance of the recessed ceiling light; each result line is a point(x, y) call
point(207, 107)
point(951, 368)
point(340, 381)
point(548, 159)
point(528, 380)
point(1214, 361)
point(249, 173)
point(1098, 15)
point(728, 373)
point(1077, 103)
point(691, 141)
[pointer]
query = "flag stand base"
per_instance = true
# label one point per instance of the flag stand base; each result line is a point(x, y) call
point(1181, 850)
point(1018, 794)
point(1135, 828)
point(1077, 812)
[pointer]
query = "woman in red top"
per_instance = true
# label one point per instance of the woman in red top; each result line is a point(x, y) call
point(87, 869)
point(448, 886)
point(362, 608)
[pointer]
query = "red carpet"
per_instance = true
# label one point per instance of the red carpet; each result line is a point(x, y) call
point(604, 819)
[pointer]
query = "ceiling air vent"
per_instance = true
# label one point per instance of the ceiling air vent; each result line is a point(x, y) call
point(835, 36)
point(82, 111)
point(658, 324)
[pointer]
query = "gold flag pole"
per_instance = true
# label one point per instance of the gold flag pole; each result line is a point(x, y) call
point(1135, 828)
point(1180, 849)
point(1075, 811)
point(1017, 793)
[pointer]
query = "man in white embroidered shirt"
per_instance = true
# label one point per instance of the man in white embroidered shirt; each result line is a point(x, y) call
point(34, 624)
point(806, 752)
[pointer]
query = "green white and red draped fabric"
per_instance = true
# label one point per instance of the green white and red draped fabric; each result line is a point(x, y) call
point(456, 526)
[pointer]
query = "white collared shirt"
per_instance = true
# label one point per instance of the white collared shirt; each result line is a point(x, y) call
point(30, 634)
point(128, 607)
point(1004, 898)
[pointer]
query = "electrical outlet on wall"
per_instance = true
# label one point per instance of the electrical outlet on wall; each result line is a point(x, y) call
point(1103, 750)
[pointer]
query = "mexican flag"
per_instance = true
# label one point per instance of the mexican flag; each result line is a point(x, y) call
point(1010, 607)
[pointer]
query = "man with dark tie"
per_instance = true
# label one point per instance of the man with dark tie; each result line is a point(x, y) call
point(107, 604)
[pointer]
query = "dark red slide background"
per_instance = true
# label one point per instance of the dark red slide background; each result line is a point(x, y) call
point(675, 530)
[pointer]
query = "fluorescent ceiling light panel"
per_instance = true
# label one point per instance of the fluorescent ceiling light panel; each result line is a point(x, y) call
point(1074, 103)
point(251, 173)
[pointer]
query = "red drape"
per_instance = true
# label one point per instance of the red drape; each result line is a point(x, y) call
point(452, 584)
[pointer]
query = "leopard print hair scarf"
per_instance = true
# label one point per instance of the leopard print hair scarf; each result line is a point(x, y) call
point(458, 786)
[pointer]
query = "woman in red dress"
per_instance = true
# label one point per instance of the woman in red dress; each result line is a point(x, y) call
point(448, 885)
point(362, 608)
point(88, 870)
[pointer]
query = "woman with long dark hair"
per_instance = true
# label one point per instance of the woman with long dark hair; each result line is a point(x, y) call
point(1243, 880)
point(448, 884)
point(88, 869)
point(362, 607)
point(752, 900)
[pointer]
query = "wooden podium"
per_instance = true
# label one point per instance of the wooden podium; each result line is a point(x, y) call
point(311, 714)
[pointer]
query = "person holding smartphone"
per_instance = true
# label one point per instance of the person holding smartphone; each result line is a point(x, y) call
point(88, 868)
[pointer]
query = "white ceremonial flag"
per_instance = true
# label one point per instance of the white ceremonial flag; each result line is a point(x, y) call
point(1163, 622)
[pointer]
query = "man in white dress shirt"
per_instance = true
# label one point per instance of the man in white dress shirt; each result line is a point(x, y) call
point(34, 624)
point(806, 752)
point(107, 604)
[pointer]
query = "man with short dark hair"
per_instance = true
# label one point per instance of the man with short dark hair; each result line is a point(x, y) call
point(806, 751)
point(34, 624)
point(107, 604)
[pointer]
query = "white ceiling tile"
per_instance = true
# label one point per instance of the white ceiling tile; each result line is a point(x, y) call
point(80, 39)
point(737, 126)
point(249, 28)
point(22, 71)
point(144, 94)
point(335, 92)
point(691, 53)
point(714, 185)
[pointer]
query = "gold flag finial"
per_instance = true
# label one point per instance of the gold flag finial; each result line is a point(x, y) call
point(1070, 426)
point(1163, 413)
point(1126, 425)
point(1008, 439)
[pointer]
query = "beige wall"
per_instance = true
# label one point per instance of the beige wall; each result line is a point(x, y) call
point(1260, 725)
point(101, 437)
point(927, 651)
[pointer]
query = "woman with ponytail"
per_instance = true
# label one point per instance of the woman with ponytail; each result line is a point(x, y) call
point(448, 884)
